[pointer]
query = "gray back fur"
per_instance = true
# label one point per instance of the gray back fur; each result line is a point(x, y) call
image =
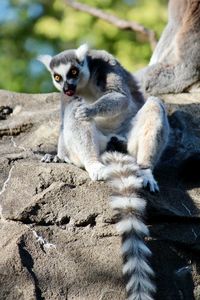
point(109, 75)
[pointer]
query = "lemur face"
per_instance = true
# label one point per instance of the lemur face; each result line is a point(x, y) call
point(69, 69)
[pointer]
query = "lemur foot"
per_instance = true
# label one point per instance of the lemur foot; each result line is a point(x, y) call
point(48, 158)
point(96, 171)
point(148, 180)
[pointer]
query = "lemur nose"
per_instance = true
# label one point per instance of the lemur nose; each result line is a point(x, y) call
point(68, 87)
point(71, 87)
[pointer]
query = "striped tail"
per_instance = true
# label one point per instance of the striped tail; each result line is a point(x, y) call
point(121, 173)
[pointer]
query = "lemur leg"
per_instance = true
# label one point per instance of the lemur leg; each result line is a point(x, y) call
point(87, 145)
point(61, 150)
point(61, 155)
point(148, 138)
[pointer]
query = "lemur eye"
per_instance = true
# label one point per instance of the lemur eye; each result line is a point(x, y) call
point(57, 77)
point(74, 72)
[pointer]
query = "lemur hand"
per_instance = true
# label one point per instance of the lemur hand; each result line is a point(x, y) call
point(84, 112)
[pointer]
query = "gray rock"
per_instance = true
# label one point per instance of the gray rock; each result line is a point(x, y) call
point(58, 239)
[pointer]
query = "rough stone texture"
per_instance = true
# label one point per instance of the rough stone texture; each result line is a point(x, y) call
point(58, 239)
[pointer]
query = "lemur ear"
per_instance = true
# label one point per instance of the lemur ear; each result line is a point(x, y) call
point(81, 52)
point(45, 59)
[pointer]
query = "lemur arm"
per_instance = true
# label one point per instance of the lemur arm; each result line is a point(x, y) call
point(110, 104)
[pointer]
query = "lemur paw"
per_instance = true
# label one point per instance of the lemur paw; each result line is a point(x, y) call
point(148, 180)
point(84, 112)
point(48, 158)
point(96, 171)
point(57, 159)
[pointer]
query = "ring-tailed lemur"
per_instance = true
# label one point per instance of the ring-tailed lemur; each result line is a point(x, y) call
point(115, 106)
point(175, 64)
point(111, 104)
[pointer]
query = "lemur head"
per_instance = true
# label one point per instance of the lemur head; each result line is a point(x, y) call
point(69, 69)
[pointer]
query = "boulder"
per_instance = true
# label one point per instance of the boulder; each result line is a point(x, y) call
point(58, 239)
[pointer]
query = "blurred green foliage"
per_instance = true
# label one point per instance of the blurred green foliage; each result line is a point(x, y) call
point(29, 28)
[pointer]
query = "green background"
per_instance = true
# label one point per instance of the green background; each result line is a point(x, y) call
point(29, 28)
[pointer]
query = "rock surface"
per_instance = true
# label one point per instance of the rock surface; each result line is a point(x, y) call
point(58, 239)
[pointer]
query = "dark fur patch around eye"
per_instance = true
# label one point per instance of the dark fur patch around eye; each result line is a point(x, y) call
point(73, 72)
